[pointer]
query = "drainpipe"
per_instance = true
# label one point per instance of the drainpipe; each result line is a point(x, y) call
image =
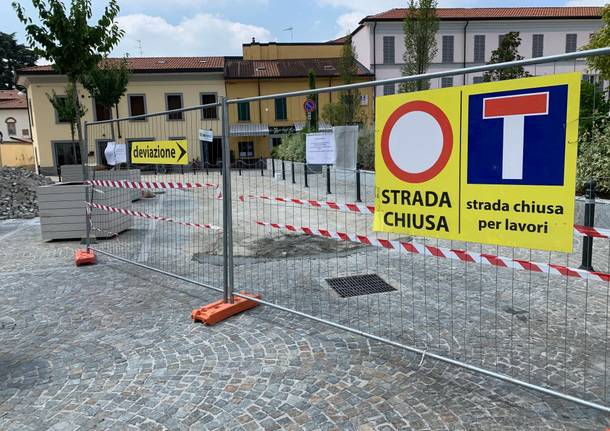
point(464, 53)
point(374, 58)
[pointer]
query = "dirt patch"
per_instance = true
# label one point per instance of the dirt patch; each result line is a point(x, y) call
point(285, 246)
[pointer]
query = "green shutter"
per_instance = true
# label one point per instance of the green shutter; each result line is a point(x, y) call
point(243, 111)
point(280, 109)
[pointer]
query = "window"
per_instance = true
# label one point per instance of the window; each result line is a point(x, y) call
point(102, 113)
point(276, 142)
point(280, 109)
point(479, 48)
point(11, 126)
point(595, 80)
point(246, 149)
point(389, 89)
point(500, 39)
point(388, 50)
point(137, 105)
point(209, 113)
point(447, 81)
point(477, 79)
point(174, 101)
point(25, 132)
point(62, 100)
point(571, 42)
point(243, 111)
point(538, 45)
point(447, 49)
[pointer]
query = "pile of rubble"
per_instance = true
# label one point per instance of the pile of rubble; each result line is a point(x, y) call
point(18, 193)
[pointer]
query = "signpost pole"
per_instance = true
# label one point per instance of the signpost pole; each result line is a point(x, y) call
point(227, 210)
point(587, 241)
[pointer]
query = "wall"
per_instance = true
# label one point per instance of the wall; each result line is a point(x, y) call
point(46, 130)
point(17, 155)
point(554, 43)
point(22, 124)
point(275, 51)
point(263, 112)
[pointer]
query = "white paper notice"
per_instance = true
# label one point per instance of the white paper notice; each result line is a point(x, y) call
point(206, 135)
point(115, 153)
point(120, 153)
point(320, 149)
point(109, 153)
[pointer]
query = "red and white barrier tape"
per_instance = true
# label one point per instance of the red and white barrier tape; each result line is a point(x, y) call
point(354, 207)
point(121, 184)
point(440, 252)
point(593, 232)
point(359, 208)
point(150, 217)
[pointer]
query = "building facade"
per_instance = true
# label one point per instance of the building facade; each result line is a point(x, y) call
point(266, 69)
point(160, 84)
point(467, 37)
point(15, 132)
point(155, 85)
point(14, 117)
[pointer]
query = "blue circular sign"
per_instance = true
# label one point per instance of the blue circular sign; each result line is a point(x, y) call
point(309, 105)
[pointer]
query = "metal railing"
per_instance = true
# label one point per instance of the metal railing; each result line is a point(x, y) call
point(535, 329)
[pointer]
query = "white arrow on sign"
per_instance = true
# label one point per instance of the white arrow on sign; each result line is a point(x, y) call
point(514, 109)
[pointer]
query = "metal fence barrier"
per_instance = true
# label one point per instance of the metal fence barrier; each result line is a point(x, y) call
point(302, 237)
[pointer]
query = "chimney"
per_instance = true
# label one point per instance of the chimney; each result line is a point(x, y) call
point(253, 40)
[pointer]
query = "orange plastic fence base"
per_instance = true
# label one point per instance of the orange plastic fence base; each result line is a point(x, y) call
point(84, 257)
point(218, 311)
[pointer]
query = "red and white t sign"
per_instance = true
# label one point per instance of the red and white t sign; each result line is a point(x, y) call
point(514, 109)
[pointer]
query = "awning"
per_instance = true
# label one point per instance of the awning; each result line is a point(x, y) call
point(322, 126)
point(249, 129)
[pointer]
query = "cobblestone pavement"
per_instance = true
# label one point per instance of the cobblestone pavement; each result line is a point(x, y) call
point(112, 347)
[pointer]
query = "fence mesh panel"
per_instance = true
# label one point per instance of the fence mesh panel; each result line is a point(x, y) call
point(298, 228)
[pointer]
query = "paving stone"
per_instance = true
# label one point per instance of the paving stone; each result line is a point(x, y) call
point(112, 347)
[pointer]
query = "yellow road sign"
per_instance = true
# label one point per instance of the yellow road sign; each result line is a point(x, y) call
point(160, 153)
point(492, 163)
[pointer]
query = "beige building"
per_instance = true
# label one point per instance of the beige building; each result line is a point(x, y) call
point(156, 84)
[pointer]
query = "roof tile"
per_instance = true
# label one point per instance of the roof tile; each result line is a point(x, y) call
point(153, 64)
point(496, 13)
point(288, 68)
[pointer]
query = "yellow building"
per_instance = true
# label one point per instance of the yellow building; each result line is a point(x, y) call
point(160, 84)
point(156, 84)
point(274, 68)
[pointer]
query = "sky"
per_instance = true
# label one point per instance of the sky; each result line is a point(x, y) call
point(220, 27)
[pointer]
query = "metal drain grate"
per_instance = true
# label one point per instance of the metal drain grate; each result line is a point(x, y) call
point(357, 285)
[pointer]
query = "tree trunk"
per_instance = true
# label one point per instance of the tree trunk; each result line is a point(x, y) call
point(118, 124)
point(79, 129)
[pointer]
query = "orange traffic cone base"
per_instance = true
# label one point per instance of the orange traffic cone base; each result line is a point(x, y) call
point(84, 257)
point(218, 311)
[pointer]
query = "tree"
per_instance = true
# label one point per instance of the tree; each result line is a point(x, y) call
point(107, 83)
point(420, 27)
point(507, 51)
point(601, 39)
point(594, 108)
point(594, 159)
point(347, 110)
point(66, 109)
point(313, 124)
point(68, 40)
point(13, 56)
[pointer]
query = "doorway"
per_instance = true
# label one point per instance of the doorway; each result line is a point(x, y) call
point(211, 153)
point(66, 153)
